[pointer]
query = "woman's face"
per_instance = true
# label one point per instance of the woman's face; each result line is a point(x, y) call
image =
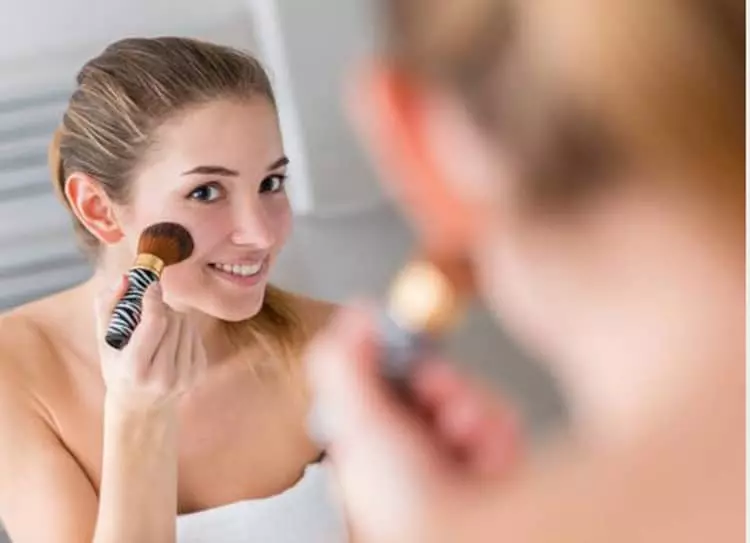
point(218, 169)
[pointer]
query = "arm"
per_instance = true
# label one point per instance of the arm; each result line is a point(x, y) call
point(139, 475)
point(137, 502)
point(46, 496)
point(138, 497)
point(39, 477)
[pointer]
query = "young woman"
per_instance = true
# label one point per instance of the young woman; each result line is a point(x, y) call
point(202, 415)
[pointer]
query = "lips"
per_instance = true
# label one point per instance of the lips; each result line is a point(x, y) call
point(240, 270)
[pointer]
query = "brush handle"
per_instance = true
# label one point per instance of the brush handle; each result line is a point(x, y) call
point(127, 313)
point(400, 353)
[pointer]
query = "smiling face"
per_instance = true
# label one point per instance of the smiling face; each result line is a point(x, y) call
point(219, 169)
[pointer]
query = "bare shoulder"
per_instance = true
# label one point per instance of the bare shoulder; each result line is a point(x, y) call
point(21, 338)
point(37, 471)
point(27, 355)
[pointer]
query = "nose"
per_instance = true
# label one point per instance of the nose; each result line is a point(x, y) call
point(252, 227)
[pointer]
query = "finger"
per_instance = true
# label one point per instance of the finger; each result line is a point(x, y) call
point(481, 427)
point(163, 367)
point(184, 354)
point(363, 420)
point(496, 451)
point(148, 335)
point(105, 302)
point(382, 456)
point(434, 382)
point(498, 441)
point(460, 402)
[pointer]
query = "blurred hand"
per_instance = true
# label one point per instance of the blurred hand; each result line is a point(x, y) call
point(406, 474)
point(162, 359)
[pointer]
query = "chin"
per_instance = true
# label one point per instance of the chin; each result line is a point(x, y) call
point(235, 310)
point(236, 316)
point(221, 304)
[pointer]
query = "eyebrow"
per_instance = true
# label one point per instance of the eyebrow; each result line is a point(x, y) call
point(283, 161)
point(221, 170)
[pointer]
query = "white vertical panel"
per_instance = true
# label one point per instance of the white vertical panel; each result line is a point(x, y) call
point(270, 42)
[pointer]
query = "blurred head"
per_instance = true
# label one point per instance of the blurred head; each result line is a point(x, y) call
point(587, 156)
point(173, 129)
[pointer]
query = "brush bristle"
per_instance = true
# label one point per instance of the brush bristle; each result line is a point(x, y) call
point(428, 296)
point(169, 241)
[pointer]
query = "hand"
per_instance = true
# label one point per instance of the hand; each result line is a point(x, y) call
point(406, 474)
point(162, 359)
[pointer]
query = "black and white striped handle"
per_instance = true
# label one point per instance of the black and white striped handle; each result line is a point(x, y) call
point(127, 312)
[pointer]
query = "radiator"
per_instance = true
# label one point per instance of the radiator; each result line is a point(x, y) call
point(38, 252)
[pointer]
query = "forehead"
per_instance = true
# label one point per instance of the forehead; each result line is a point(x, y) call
point(220, 132)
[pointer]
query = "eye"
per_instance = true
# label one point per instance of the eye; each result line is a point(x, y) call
point(205, 193)
point(272, 183)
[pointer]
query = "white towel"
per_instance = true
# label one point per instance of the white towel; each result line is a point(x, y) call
point(304, 513)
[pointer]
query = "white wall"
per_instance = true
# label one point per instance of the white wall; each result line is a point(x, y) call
point(323, 40)
point(44, 42)
point(29, 27)
point(308, 47)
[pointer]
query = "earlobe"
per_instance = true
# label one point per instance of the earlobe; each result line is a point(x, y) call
point(93, 208)
point(389, 113)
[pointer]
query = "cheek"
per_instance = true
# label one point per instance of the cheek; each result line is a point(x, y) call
point(598, 286)
point(540, 281)
point(148, 209)
point(210, 227)
point(132, 220)
point(509, 282)
point(279, 217)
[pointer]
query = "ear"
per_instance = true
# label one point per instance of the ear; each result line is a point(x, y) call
point(403, 126)
point(93, 208)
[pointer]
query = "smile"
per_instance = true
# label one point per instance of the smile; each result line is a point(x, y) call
point(240, 270)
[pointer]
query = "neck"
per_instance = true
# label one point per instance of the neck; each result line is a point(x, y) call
point(671, 363)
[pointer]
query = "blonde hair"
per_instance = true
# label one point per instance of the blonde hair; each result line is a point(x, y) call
point(123, 95)
point(578, 90)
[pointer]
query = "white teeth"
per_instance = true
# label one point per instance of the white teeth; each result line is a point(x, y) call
point(243, 270)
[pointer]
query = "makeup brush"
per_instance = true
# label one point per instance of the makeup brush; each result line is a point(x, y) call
point(160, 245)
point(427, 299)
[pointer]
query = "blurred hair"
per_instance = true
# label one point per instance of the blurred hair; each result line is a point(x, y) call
point(578, 90)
